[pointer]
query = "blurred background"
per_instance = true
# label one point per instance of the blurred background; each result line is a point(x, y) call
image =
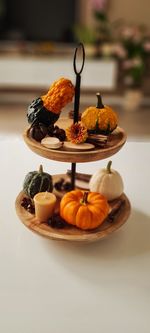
point(37, 43)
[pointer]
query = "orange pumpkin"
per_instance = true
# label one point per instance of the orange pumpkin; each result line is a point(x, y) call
point(85, 210)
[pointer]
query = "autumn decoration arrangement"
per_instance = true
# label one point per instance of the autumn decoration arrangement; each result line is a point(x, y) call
point(97, 122)
point(53, 202)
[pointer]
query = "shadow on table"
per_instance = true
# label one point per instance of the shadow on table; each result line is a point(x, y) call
point(120, 248)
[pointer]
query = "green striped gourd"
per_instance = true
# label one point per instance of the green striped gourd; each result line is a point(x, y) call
point(37, 181)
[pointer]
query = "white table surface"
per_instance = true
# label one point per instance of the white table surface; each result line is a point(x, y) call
point(58, 287)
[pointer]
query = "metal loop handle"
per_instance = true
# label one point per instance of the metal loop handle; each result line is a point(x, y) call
point(80, 45)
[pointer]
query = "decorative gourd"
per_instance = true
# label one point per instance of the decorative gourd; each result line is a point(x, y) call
point(38, 131)
point(85, 210)
point(46, 109)
point(107, 182)
point(38, 113)
point(37, 181)
point(100, 119)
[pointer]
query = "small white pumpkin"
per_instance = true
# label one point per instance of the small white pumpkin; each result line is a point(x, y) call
point(107, 182)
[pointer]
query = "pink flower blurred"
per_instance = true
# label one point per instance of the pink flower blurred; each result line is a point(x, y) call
point(137, 35)
point(137, 62)
point(147, 46)
point(132, 32)
point(98, 5)
point(127, 64)
point(127, 32)
point(132, 63)
point(119, 51)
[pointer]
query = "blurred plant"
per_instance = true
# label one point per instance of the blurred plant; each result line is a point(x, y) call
point(102, 24)
point(84, 34)
point(130, 44)
point(100, 31)
point(132, 49)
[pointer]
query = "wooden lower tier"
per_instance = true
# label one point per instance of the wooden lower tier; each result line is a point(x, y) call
point(71, 233)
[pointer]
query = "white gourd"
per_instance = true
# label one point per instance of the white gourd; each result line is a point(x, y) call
point(107, 182)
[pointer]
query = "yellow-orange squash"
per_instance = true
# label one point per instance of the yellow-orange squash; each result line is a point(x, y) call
point(100, 118)
point(85, 210)
point(60, 93)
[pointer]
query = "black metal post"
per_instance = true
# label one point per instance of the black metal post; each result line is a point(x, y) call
point(77, 100)
point(73, 173)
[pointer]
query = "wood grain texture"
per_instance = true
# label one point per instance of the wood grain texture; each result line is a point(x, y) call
point(71, 233)
point(115, 141)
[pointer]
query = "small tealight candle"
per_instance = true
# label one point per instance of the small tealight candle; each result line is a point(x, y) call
point(44, 205)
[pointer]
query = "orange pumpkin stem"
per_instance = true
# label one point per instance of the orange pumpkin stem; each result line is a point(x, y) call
point(85, 196)
point(99, 105)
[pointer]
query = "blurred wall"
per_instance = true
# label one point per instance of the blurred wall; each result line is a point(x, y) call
point(134, 11)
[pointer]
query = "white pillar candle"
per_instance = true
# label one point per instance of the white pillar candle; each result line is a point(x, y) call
point(44, 205)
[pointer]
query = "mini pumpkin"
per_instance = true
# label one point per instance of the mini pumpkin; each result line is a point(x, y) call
point(108, 182)
point(85, 210)
point(100, 119)
point(37, 181)
point(46, 109)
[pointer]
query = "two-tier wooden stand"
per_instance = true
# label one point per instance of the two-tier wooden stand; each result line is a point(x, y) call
point(115, 142)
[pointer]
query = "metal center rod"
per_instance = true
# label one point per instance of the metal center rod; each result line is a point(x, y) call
point(73, 173)
point(77, 100)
